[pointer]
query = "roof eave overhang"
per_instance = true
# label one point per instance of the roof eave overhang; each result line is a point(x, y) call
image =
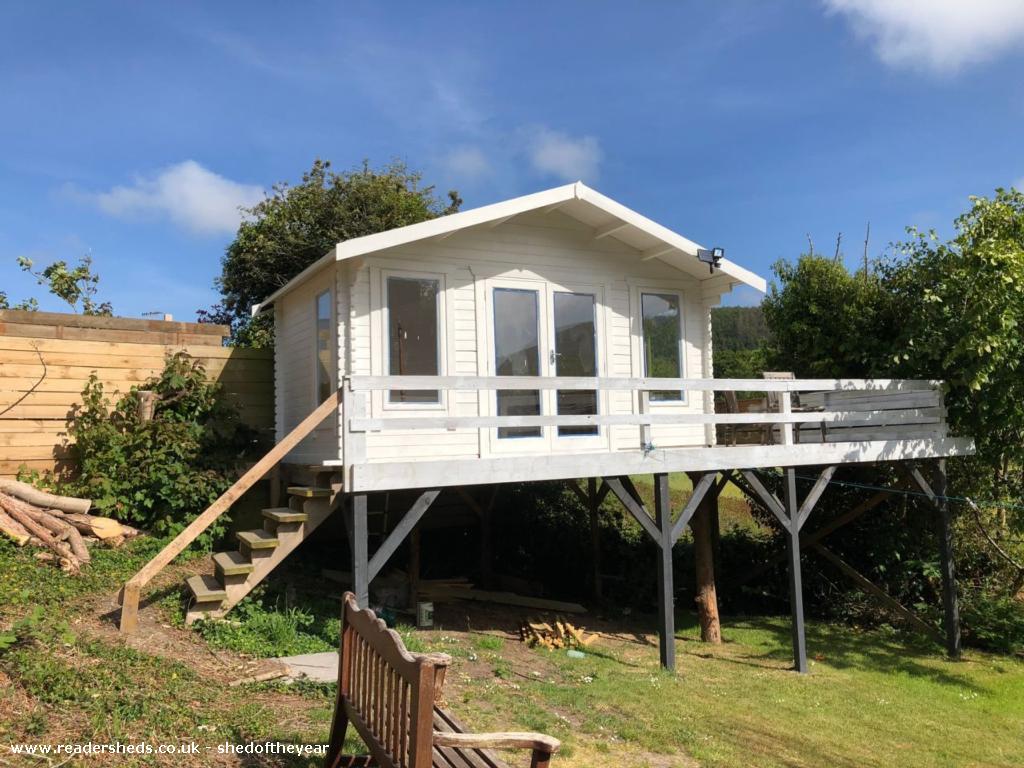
point(498, 212)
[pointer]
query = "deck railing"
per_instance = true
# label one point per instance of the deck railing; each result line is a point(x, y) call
point(827, 410)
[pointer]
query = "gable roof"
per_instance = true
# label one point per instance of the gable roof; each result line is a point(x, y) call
point(607, 217)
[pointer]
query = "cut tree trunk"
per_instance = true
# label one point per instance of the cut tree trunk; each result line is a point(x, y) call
point(42, 499)
point(13, 530)
point(100, 527)
point(704, 558)
point(17, 510)
point(64, 531)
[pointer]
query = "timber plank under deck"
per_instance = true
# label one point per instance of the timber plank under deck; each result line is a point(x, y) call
point(382, 476)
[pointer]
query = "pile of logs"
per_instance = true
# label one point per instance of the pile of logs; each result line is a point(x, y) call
point(61, 525)
point(560, 635)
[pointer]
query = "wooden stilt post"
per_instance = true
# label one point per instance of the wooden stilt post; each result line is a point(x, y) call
point(666, 591)
point(950, 603)
point(595, 539)
point(360, 557)
point(414, 567)
point(704, 565)
point(796, 592)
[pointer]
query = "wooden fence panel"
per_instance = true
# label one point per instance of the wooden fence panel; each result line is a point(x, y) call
point(46, 359)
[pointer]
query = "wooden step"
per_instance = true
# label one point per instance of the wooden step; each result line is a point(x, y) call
point(206, 589)
point(258, 539)
point(285, 515)
point(309, 492)
point(232, 564)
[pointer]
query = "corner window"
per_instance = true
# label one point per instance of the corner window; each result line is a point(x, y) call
point(324, 355)
point(413, 339)
point(662, 339)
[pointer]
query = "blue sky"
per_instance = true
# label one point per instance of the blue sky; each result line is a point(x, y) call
point(132, 131)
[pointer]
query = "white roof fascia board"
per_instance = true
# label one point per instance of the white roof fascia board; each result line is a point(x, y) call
point(392, 238)
point(548, 200)
point(295, 282)
point(667, 235)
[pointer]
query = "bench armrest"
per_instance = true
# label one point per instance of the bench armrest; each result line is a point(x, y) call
point(441, 662)
point(537, 742)
point(437, 659)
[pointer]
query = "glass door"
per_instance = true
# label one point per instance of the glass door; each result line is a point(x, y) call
point(517, 352)
point(540, 329)
point(574, 353)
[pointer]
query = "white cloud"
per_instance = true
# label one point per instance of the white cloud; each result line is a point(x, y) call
point(940, 36)
point(188, 194)
point(468, 164)
point(558, 154)
point(1019, 184)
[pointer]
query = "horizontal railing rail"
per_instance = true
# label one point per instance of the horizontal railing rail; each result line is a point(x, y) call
point(386, 383)
point(909, 416)
point(829, 410)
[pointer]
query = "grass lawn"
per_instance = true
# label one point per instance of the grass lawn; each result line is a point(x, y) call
point(872, 698)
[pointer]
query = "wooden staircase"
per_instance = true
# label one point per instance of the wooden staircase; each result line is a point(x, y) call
point(261, 550)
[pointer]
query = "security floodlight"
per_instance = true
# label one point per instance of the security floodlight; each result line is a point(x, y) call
point(712, 257)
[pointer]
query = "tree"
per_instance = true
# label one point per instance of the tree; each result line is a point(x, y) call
point(77, 285)
point(825, 322)
point(934, 310)
point(961, 310)
point(296, 225)
point(739, 337)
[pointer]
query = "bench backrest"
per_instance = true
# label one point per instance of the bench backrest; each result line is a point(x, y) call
point(388, 694)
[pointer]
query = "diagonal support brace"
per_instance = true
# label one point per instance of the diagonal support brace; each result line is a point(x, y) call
point(700, 490)
point(634, 507)
point(769, 498)
point(812, 498)
point(404, 527)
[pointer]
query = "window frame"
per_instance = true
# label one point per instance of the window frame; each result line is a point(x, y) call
point(655, 290)
point(385, 402)
point(332, 368)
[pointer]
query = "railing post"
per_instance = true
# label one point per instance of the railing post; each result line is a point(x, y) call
point(353, 445)
point(786, 406)
point(645, 429)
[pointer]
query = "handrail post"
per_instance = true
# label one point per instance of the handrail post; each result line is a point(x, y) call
point(786, 407)
point(645, 429)
point(353, 450)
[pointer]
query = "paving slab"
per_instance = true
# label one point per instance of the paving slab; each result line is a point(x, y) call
point(321, 667)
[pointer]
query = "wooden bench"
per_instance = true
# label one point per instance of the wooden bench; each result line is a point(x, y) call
point(390, 696)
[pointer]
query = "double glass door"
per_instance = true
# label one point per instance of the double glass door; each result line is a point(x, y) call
point(538, 329)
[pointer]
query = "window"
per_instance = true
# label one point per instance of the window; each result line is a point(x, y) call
point(324, 355)
point(662, 339)
point(517, 353)
point(413, 340)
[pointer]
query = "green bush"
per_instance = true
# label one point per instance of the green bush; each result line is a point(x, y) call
point(994, 622)
point(162, 472)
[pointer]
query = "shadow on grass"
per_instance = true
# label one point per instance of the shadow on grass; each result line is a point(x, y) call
point(842, 647)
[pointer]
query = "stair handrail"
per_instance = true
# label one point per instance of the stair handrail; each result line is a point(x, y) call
point(132, 590)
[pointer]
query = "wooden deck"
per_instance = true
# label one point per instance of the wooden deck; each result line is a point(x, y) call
point(818, 422)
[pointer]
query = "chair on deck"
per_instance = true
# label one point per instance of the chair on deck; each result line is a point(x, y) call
point(390, 696)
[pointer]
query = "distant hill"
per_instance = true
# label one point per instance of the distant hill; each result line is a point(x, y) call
point(739, 336)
